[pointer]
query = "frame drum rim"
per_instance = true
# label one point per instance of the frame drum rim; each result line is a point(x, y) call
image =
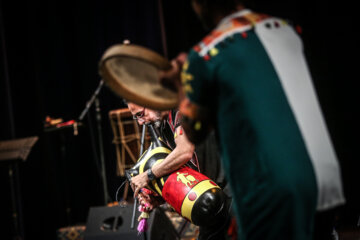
point(162, 102)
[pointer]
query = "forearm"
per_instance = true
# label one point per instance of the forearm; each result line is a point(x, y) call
point(181, 154)
point(177, 158)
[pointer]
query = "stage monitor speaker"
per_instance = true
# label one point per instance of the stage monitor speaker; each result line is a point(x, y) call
point(113, 223)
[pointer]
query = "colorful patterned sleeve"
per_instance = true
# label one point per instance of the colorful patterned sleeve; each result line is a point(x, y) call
point(197, 85)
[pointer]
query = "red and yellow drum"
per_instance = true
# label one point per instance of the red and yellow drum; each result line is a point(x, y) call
point(193, 195)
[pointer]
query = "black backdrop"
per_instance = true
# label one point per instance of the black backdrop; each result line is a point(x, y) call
point(50, 62)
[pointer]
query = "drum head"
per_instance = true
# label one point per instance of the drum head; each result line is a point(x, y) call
point(131, 71)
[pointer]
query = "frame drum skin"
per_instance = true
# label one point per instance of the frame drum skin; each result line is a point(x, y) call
point(132, 72)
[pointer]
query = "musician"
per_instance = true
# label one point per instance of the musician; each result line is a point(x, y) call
point(183, 153)
point(249, 79)
point(172, 133)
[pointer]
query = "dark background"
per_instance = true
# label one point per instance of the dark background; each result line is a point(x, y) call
point(50, 55)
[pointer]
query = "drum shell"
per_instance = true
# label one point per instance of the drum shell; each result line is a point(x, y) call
point(182, 189)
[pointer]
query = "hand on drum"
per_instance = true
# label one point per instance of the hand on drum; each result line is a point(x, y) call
point(138, 182)
point(148, 200)
point(171, 78)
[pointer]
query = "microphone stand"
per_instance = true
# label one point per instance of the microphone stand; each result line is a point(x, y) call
point(90, 102)
point(94, 98)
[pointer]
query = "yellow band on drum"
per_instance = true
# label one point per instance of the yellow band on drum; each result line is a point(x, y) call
point(161, 179)
point(198, 189)
point(152, 153)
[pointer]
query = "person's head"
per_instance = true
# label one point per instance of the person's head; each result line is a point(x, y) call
point(144, 115)
point(211, 12)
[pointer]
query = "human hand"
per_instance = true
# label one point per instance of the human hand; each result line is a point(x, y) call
point(171, 78)
point(138, 182)
point(148, 201)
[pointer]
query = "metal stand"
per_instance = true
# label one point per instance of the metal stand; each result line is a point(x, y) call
point(101, 149)
point(94, 98)
point(62, 129)
point(91, 101)
point(15, 150)
point(16, 201)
